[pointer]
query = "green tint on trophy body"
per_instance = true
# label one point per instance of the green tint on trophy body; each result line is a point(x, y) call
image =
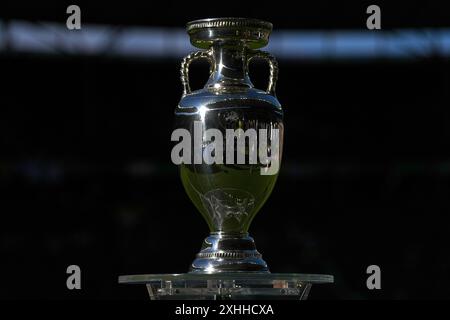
point(229, 196)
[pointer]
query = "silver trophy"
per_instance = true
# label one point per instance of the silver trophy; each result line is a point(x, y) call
point(241, 129)
point(229, 195)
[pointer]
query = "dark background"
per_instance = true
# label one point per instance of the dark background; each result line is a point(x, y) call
point(86, 176)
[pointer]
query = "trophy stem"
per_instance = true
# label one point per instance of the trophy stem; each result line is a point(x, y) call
point(228, 252)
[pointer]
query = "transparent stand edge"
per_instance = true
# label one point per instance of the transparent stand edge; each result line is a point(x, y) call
point(228, 286)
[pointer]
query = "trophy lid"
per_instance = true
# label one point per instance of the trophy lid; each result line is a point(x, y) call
point(206, 31)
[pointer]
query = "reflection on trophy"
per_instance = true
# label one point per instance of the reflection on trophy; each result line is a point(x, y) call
point(241, 128)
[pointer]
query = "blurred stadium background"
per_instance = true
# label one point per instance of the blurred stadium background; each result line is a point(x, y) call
point(85, 124)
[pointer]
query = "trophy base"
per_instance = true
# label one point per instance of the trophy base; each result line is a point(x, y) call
point(228, 286)
point(228, 252)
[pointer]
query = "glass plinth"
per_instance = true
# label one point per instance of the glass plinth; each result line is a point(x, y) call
point(228, 286)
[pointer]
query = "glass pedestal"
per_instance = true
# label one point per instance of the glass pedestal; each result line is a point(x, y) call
point(228, 286)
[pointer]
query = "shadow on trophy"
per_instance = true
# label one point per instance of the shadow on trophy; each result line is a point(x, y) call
point(228, 144)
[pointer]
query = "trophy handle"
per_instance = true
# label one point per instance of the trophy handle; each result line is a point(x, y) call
point(273, 64)
point(185, 67)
